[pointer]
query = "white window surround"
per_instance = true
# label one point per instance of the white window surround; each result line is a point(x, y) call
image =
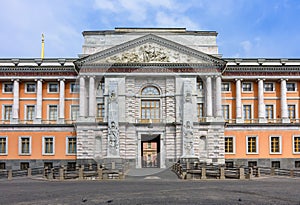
point(252, 111)
point(71, 110)
point(229, 87)
point(7, 83)
point(296, 109)
point(67, 145)
point(251, 85)
point(48, 111)
point(26, 87)
point(294, 84)
point(270, 144)
point(3, 111)
point(52, 83)
point(20, 145)
point(25, 111)
point(73, 85)
point(294, 136)
point(44, 146)
point(234, 145)
point(257, 145)
point(273, 87)
point(274, 111)
point(229, 110)
point(6, 145)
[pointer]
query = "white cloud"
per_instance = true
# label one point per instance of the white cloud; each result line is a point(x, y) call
point(173, 20)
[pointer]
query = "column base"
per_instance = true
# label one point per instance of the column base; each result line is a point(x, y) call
point(61, 121)
point(37, 121)
point(14, 121)
point(239, 120)
point(262, 120)
point(285, 120)
point(209, 119)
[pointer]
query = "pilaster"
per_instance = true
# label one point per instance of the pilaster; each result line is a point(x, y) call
point(238, 101)
point(283, 102)
point(208, 99)
point(15, 117)
point(39, 98)
point(61, 117)
point(261, 103)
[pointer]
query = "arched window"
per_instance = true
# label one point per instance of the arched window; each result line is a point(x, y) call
point(150, 107)
point(150, 90)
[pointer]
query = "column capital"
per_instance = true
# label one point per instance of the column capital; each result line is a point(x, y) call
point(263, 79)
point(91, 76)
point(15, 79)
point(240, 79)
point(282, 79)
point(61, 79)
point(39, 79)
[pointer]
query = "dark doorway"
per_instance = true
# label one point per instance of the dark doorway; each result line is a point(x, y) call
point(150, 151)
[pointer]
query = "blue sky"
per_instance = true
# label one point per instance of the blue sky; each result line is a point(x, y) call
point(247, 28)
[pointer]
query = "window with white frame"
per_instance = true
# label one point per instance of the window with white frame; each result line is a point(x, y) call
point(30, 87)
point(53, 88)
point(74, 112)
point(275, 145)
point(200, 85)
point(24, 145)
point(200, 111)
point(3, 145)
point(7, 112)
point(100, 111)
point(8, 87)
point(74, 88)
point(269, 112)
point(269, 87)
point(246, 86)
point(52, 112)
point(225, 86)
point(48, 145)
point(247, 113)
point(290, 87)
point(71, 145)
point(292, 112)
point(30, 112)
point(296, 144)
point(252, 144)
point(226, 114)
point(229, 145)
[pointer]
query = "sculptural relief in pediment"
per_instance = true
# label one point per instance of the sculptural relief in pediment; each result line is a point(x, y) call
point(150, 53)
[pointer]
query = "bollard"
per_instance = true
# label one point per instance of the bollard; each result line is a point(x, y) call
point(242, 173)
point(272, 171)
point(291, 173)
point(100, 172)
point(121, 175)
point(113, 165)
point(28, 172)
point(257, 172)
point(9, 174)
point(80, 174)
point(222, 173)
point(61, 173)
point(90, 166)
point(188, 165)
point(203, 173)
point(51, 174)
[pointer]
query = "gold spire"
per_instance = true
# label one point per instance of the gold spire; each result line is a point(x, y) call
point(43, 47)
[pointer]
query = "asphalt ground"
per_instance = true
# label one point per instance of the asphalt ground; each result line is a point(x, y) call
point(151, 191)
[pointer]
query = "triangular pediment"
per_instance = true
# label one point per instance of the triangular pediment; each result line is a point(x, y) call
point(150, 49)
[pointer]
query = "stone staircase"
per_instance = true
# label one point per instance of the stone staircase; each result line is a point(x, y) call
point(151, 173)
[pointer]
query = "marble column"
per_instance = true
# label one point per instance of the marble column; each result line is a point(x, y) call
point(208, 98)
point(261, 103)
point(218, 104)
point(61, 116)
point(238, 101)
point(15, 116)
point(82, 97)
point(39, 98)
point(283, 100)
point(92, 97)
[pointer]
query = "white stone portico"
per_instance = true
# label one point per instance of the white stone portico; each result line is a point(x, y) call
point(151, 94)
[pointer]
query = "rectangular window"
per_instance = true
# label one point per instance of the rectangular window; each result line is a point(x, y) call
point(52, 87)
point(8, 87)
point(48, 165)
point(2, 165)
point(296, 142)
point(48, 145)
point(252, 145)
point(53, 112)
point(246, 87)
point(276, 164)
point(229, 145)
point(269, 112)
point(150, 110)
point(30, 112)
point(275, 145)
point(229, 164)
point(290, 87)
point(100, 112)
point(252, 164)
point(71, 145)
point(3, 145)
point(24, 165)
point(225, 87)
point(269, 87)
point(247, 113)
point(225, 112)
point(24, 146)
point(149, 145)
point(74, 88)
point(297, 164)
point(200, 85)
point(200, 113)
point(71, 166)
point(30, 87)
point(74, 112)
point(292, 112)
point(7, 112)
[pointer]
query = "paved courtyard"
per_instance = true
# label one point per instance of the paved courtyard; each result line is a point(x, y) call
point(151, 191)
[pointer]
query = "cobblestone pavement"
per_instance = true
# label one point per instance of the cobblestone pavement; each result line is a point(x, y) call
point(151, 191)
